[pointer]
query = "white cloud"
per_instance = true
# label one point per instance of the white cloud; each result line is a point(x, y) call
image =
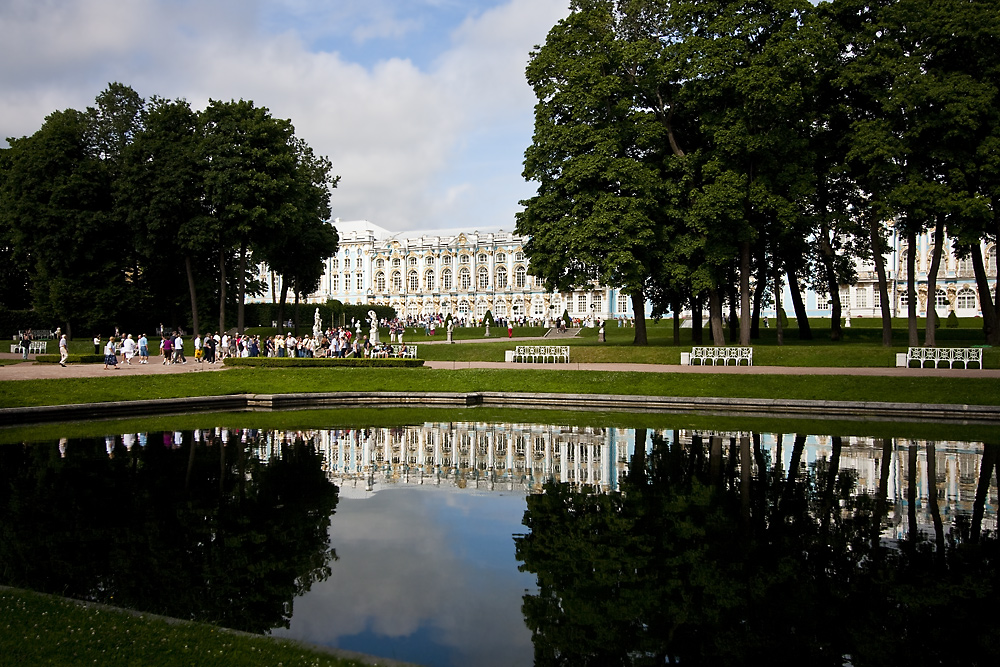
point(410, 142)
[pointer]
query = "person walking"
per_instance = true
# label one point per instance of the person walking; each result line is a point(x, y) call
point(110, 358)
point(143, 349)
point(63, 351)
point(179, 350)
point(97, 344)
point(165, 347)
point(128, 349)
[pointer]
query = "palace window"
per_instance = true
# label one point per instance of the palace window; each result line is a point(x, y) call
point(539, 309)
point(429, 280)
point(380, 263)
point(965, 299)
point(446, 279)
point(501, 258)
point(397, 281)
point(622, 303)
point(481, 309)
point(822, 302)
point(414, 281)
point(429, 261)
point(581, 303)
point(877, 298)
point(360, 281)
point(380, 281)
point(861, 298)
point(483, 259)
point(520, 274)
point(465, 259)
point(902, 261)
point(334, 282)
point(598, 303)
point(518, 256)
point(991, 261)
point(463, 307)
point(335, 263)
point(940, 298)
point(446, 260)
point(464, 279)
point(396, 261)
point(501, 280)
point(484, 277)
point(518, 309)
point(904, 299)
point(965, 267)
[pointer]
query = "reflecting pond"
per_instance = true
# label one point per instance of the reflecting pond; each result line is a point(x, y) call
point(504, 543)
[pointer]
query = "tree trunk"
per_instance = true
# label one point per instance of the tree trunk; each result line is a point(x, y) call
point(990, 319)
point(801, 316)
point(734, 318)
point(676, 307)
point(193, 292)
point(778, 306)
point(241, 287)
point(883, 287)
point(758, 297)
point(745, 293)
point(281, 304)
point(295, 311)
point(638, 298)
point(911, 288)
point(832, 284)
point(932, 498)
point(930, 324)
point(697, 319)
point(715, 316)
point(222, 291)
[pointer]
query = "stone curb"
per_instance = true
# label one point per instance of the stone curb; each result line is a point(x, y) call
point(756, 407)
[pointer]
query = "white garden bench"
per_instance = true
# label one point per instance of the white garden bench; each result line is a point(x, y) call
point(404, 351)
point(34, 347)
point(940, 355)
point(703, 355)
point(542, 353)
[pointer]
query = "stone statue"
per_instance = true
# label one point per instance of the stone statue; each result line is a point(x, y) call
point(451, 328)
point(317, 324)
point(373, 333)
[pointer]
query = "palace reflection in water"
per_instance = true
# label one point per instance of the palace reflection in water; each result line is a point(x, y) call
point(637, 546)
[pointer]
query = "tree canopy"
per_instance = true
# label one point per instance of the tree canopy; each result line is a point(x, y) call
point(106, 214)
point(703, 150)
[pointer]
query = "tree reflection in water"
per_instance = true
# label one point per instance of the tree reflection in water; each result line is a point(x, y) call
point(712, 554)
point(204, 531)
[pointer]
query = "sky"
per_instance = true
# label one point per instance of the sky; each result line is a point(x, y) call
point(421, 105)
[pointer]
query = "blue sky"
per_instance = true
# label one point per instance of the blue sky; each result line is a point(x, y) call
point(420, 104)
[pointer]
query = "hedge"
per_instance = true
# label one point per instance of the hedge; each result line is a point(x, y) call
point(72, 359)
point(324, 362)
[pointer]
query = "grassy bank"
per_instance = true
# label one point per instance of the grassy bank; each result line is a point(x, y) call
point(46, 630)
point(957, 390)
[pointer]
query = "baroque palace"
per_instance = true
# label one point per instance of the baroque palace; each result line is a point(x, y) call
point(449, 272)
point(425, 273)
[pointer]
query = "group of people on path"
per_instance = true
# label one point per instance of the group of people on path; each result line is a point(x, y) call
point(126, 346)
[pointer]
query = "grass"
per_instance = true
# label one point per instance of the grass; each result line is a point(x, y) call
point(957, 390)
point(42, 629)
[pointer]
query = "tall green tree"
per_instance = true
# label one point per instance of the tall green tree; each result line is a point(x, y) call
point(162, 190)
point(249, 183)
point(57, 202)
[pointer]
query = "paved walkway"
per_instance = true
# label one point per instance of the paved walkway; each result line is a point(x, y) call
point(32, 371)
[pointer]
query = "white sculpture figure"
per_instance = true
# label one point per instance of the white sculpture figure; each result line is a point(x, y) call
point(373, 334)
point(317, 324)
point(451, 328)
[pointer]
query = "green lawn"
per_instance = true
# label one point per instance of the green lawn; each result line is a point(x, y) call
point(984, 391)
point(46, 630)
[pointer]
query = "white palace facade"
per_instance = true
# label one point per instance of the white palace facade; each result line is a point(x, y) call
point(423, 274)
point(465, 274)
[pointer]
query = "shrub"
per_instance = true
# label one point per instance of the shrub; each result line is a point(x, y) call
point(952, 322)
point(72, 359)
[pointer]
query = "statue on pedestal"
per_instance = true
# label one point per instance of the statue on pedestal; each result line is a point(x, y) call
point(317, 324)
point(373, 333)
point(451, 327)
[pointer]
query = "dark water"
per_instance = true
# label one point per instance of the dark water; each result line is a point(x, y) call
point(459, 543)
